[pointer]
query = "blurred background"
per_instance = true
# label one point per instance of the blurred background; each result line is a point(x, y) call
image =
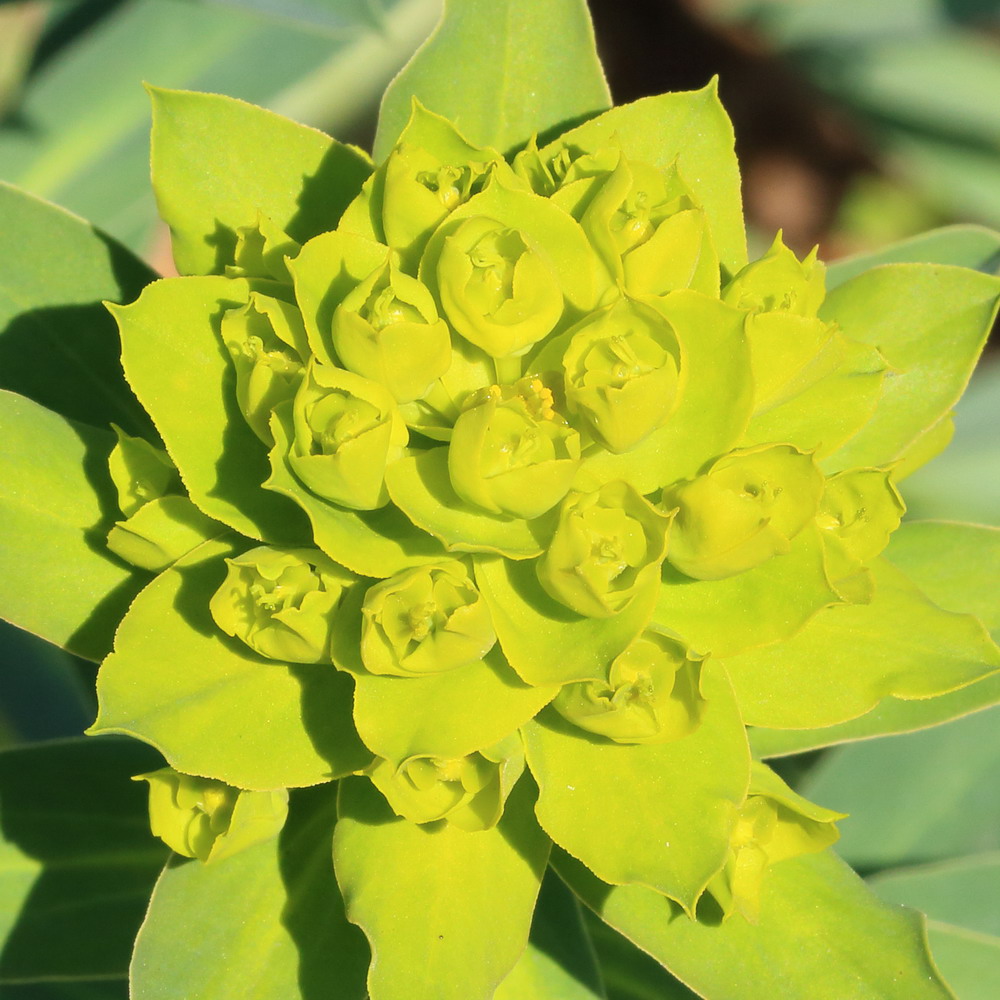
point(858, 123)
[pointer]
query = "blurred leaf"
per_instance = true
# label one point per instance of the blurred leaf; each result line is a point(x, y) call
point(58, 345)
point(510, 52)
point(57, 578)
point(21, 25)
point(77, 862)
point(916, 797)
point(964, 482)
point(965, 246)
point(960, 900)
point(81, 135)
point(265, 924)
point(814, 939)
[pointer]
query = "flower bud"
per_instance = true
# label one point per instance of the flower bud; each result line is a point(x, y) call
point(466, 791)
point(497, 287)
point(511, 453)
point(773, 824)
point(622, 367)
point(744, 510)
point(859, 510)
point(603, 542)
point(347, 430)
point(267, 342)
point(388, 330)
point(262, 252)
point(140, 471)
point(779, 282)
point(651, 694)
point(206, 819)
point(424, 621)
point(281, 602)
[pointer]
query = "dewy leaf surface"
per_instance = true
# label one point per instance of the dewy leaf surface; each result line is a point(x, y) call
point(693, 130)
point(301, 179)
point(266, 923)
point(58, 345)
point(489, 67)
point(930, 323)
point(57, 577)
point(209, 703)
point(77, 860)
point(657, 815)
point(822, 935)
point(447, 913)
point(175, 361)
point(848, 657)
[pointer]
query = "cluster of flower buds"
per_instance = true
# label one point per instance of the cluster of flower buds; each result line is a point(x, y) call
point(555, 457)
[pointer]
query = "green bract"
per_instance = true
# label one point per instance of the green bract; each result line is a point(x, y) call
point(281, 602)
point(493, 483)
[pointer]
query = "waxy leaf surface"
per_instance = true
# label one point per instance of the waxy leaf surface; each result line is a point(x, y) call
point(930, 322)
point(299, 178)
point(213, 706)
point(58, 345)
point(266, 923)
point(848, 657)
point(508, 52)
point(822, 935)
point(181, 372)
point(57, 578)
point(447, 913)
point(657, 815)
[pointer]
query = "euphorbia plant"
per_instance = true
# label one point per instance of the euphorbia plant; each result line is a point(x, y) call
point(492, 494)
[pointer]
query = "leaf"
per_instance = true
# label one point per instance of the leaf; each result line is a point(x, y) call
point(972, 246)
point(559, 962)
point(370, 542)
point(544, 641)
point(959, 898)
point(814, 941)
point(87, 146)
point(175, 361)
point(941, 801)
point(427, 896)
point(301, 179)
point(850, 656)
point(77, 860)
point(211, 705)
point(450, 714)
point(763, 605)
point(509, 53)
point(930, 323)
point(691, 129)
point(58, 345)
point(956, 565)
point(656, 815)
point(267, 923)
point(57, 577)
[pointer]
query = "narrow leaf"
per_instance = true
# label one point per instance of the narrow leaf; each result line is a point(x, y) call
point(510, 53)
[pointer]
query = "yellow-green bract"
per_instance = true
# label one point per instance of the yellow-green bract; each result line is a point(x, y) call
point(525, 493)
